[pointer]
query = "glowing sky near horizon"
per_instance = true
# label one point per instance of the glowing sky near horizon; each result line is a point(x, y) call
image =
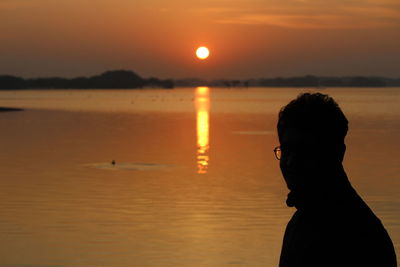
point(249, 38)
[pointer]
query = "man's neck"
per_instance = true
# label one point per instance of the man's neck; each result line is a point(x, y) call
point(329, 189)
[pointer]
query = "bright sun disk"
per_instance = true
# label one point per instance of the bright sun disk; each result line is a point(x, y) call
point(202, 52)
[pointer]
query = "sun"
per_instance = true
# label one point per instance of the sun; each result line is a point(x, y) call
point(202, 52)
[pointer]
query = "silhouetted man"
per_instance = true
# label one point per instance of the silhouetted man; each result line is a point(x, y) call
point(332, 226)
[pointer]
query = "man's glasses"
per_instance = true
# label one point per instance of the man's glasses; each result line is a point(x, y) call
point(278, 152)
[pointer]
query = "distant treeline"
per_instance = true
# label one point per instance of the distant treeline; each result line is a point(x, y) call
point(302, 81)
point(119, 79)
point(125, 79)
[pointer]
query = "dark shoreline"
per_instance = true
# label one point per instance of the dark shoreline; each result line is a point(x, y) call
point(6, 109)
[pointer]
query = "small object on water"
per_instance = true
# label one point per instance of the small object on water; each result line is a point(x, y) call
point(128, 166)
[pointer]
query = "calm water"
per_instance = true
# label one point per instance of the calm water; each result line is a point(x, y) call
point(195, 182)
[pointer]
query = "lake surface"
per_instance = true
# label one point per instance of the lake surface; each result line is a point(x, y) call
point(182, 177)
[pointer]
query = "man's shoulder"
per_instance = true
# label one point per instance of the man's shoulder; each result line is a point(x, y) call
point(355, 221)
point(310, 237)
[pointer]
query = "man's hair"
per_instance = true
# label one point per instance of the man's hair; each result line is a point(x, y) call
point(314, 113)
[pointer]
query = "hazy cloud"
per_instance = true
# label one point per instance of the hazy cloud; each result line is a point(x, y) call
point(328, 14)
point(313, 21)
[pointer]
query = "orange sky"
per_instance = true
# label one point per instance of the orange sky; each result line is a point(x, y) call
point(247, 38)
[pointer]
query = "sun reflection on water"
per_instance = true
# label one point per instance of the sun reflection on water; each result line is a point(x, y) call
point(203, 127)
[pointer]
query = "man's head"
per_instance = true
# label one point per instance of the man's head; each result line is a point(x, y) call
point(311, 130)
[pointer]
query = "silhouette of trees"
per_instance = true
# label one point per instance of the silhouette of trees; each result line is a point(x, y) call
point(155, 82)
point(366, 82)
point(116, 79)
point(11, 82)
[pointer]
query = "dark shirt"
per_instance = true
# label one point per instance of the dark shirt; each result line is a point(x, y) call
point(336, 231)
